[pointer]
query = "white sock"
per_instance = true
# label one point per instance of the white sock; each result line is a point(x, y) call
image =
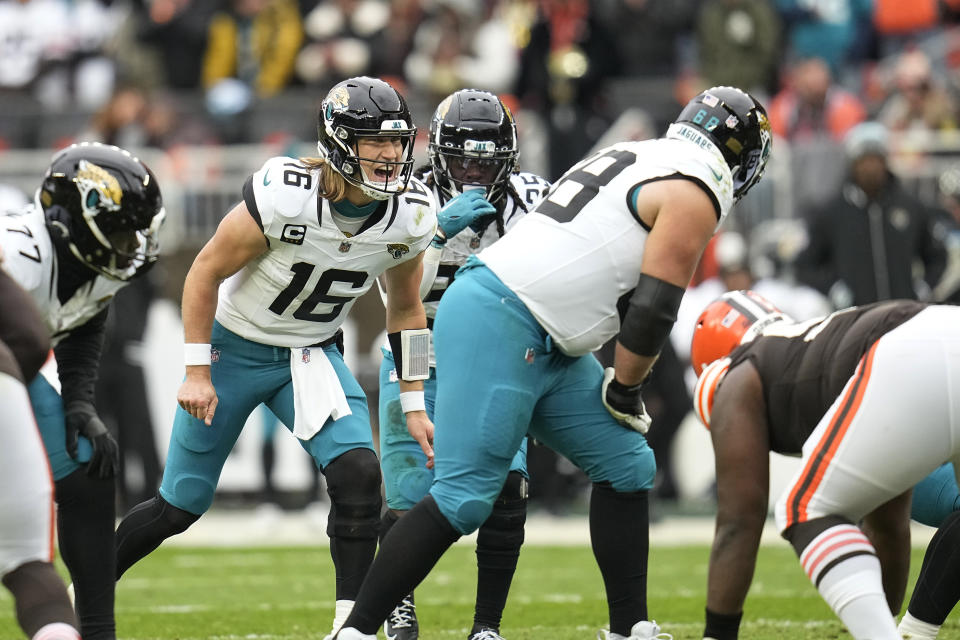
point(343, 609)
point(57, 631)
point(915, 629)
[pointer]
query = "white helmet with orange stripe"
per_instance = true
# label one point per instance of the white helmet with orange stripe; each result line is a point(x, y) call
point(733, 319)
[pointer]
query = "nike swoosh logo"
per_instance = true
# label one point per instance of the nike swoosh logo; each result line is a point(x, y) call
point(266, 182)
point(716, 176)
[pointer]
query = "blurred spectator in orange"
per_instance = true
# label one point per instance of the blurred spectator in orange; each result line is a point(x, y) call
point(739, 44)
point(900, 24)
point(867, 242)
point(338, 40)
point(919, 100)
point(255, 42)
point(812, 105)
point(563, 76)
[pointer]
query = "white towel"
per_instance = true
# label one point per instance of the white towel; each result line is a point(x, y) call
point(317, 394)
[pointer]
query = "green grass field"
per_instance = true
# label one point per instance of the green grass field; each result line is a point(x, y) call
point(287, 593)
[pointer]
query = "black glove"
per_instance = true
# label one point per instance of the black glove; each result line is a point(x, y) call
point(81, 419)
point(625, 403)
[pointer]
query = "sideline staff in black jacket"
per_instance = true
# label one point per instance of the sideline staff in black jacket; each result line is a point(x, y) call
point(865, 241)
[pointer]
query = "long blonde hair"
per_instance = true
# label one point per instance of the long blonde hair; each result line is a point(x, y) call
point(333, 186)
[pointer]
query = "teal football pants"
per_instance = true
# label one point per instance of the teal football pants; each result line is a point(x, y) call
point(48, 409)
point(406, 479)
point(245, 374)
point(498, 379)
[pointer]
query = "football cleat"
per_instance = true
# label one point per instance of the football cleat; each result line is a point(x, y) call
point(486, 634)
point(402, 623)
point(643, 630)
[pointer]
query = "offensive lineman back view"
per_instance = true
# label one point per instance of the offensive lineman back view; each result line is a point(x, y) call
point(262, 308)
point(93, 228)
point(607, 253)
point(472, 172)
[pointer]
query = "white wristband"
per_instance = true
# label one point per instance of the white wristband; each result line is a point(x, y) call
point(412, 401)
point(195, 353)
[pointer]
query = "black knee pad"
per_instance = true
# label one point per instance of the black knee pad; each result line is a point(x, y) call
point(40, 596)
point(163, 516)
point(503, 529)
point(353, 484)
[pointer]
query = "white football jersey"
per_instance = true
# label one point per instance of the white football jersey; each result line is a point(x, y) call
point(579, 252)
point(530, 187)
point(300, 290)
point(30, 259)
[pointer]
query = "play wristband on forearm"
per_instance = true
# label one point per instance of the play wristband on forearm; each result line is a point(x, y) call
point(195, 353)
point(650, 316)
point(412, 401)
point(411, 353)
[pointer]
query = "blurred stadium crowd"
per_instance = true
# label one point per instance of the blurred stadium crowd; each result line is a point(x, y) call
point(205, 90)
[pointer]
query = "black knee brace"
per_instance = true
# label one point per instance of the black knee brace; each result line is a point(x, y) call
point(40, 596)
point(503, 529)
point(353, 484)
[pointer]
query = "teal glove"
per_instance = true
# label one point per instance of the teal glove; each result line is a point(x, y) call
point(462, 211)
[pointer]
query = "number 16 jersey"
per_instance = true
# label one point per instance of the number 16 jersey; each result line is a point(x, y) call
point(300, 290)
point(578, 253)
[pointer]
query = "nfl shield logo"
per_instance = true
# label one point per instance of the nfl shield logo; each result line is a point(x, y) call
point(344, 246)
point(214, 355)
point(528, 356)
point(305, 355)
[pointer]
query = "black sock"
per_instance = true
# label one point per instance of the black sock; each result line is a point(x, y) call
point(145, 527)
point(938, 585)
point(722, 626)
point(620, 536)
point(407, 555)
point(86, 513)
point(40, 597)
point(498, 549)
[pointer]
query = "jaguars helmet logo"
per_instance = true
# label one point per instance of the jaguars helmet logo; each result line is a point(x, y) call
point(442, 108)
point(397, 250)
point(99, 189)
point(337, 100)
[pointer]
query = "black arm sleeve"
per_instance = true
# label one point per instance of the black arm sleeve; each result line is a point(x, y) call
point(78, 359)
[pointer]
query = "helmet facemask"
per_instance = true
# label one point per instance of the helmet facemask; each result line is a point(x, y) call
point(476, 165)
point(385, 178)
